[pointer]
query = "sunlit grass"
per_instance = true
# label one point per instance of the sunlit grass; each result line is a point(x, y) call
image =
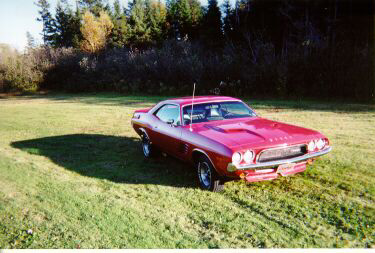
point(72, 171)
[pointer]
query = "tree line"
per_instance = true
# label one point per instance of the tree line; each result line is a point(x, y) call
point(311, 48)
point(147, 23)
point(140, 25)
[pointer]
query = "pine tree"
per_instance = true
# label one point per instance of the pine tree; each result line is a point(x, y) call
point(185, 17)
point(76, 27)
point(63, 37)
point(172, 19)
point(47, 21)
point(63, 30)
point(196, 18)
point(120, 32)
point(30, 41)
point(117, 9)
point(156, 19)
point(227, 20)
point(212, 33)
point(94, 6)
point(140, 35)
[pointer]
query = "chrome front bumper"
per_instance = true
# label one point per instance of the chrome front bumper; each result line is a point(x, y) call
point(231, 167)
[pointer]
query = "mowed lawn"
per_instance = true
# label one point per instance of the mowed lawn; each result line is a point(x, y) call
point(72, 175)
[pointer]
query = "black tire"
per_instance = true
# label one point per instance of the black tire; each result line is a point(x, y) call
point(147, 148)
point(208, 178)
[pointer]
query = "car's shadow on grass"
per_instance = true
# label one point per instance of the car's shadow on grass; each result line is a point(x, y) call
point(115, 158)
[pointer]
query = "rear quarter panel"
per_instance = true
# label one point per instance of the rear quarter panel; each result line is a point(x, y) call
point(141, 121)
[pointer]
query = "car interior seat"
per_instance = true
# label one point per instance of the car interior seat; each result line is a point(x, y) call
point(213, 112)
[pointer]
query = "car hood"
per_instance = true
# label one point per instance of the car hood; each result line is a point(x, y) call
point(255, 131)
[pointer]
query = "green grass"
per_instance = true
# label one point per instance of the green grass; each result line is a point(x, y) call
point(71, 169)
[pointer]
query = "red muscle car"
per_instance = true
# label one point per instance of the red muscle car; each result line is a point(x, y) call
point(225, 139)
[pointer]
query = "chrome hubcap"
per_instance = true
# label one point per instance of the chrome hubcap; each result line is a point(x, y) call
point(204, 174)
point(146, 146)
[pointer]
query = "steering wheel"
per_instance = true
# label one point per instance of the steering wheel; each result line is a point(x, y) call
point(229, 114)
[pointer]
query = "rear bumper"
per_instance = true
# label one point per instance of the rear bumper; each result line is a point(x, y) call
point(231, 167)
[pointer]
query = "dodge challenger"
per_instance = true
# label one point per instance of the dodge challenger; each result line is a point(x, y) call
point(224, 139)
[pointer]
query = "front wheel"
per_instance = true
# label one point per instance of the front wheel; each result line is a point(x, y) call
point(207, 175)
point(147, 148)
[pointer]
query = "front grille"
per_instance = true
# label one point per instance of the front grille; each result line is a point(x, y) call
point(282, 153)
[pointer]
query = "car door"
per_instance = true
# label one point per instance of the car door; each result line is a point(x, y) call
point(167, 128)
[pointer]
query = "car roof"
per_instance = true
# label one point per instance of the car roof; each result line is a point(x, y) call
point(201, 99)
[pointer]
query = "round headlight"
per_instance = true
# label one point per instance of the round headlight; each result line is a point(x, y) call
point(248, 156)
point(311, 146)
point(320, 144)
point(236, 158)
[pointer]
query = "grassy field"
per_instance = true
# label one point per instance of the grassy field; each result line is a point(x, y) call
point(72, 175)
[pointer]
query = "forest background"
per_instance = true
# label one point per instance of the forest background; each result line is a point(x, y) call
point(255, 48)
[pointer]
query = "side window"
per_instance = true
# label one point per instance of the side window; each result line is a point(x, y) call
point(169, 112)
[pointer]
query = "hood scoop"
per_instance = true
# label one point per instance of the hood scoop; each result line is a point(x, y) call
point(227, 131)
point(215, 128)
point(232, 130)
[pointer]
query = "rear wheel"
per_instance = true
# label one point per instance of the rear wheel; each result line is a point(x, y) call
point(207, 175)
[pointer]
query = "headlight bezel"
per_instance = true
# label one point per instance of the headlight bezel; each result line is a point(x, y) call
point(236, 158)
point(317, 144)
point(320, 144)
point(246, 157)
point(311, 146)
point(243, 156)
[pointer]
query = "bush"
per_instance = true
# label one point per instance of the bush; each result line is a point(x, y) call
point(19, 74)
point(241, 70)
point(24, 72)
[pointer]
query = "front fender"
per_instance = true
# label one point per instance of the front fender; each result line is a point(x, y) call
point(218, 154)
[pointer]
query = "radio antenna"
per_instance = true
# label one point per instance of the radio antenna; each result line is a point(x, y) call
point(192, 108)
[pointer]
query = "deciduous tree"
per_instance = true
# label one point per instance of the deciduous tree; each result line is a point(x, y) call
point(95, 31)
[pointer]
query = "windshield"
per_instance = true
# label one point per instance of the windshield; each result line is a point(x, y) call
point(216, 111)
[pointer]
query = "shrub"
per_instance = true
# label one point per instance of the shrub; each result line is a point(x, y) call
point(240, 70)
point(20, 74)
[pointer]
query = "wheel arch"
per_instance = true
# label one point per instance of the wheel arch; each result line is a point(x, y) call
point(196, 153)
point(143, 131)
